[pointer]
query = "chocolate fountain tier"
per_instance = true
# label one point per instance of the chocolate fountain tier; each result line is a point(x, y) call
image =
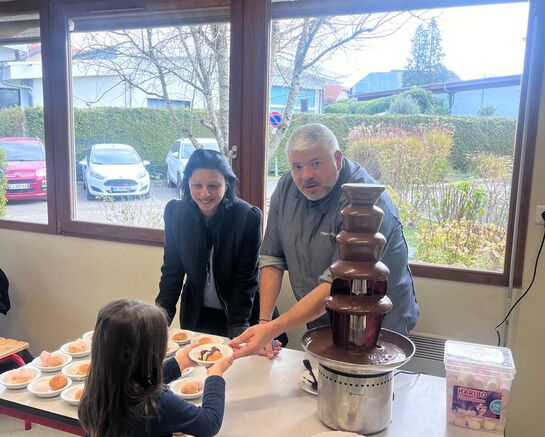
point(393, 350)
point(359, 305)
point(362, 194)
point(351, 270)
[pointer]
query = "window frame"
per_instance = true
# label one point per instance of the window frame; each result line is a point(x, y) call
point(250, 35)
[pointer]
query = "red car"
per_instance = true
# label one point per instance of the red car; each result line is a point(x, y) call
point(25, 172)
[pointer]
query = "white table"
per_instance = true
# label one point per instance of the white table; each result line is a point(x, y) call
point(263, 399)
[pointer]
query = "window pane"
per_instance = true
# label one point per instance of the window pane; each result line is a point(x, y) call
point(143, 100)
point(23, 176)
point(427, 101)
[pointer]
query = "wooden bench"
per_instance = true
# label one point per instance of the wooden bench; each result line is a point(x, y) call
point(8, 349)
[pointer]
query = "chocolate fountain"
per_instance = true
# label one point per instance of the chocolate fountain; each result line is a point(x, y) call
point(356, 357)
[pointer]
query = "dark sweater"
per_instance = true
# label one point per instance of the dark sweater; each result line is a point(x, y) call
point(178, 415)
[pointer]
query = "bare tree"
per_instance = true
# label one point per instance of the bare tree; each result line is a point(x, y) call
point(165, 63)
point(304, 44)
point(194, 60)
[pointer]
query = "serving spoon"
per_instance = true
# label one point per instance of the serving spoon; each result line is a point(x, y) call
point(308, 366)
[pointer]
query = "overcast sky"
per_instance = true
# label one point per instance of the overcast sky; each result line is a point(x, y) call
point(478, 41)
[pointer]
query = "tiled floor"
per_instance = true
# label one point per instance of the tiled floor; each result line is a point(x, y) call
point(16, 428)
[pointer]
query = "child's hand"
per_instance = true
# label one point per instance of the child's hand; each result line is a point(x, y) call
point(220, 366)
point(182, 357)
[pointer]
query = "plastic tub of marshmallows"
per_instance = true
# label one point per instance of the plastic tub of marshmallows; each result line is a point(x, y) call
point(479, 381)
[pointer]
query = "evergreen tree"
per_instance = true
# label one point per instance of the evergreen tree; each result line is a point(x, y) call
point(425, 62)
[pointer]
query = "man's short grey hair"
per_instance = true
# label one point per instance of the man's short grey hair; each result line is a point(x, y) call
point(309, 136)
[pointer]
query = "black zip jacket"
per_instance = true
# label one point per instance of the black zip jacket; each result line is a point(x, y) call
point(235, 233)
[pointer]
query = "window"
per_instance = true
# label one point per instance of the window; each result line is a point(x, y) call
point(146, 90)
point(427, 101)
point(9, 97)
point(23, 172)
point(101, 98)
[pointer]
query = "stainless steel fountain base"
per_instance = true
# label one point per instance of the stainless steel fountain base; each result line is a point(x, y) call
point(356, 403)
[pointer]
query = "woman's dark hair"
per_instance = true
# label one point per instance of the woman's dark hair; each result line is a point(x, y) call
point(126, 375)
point(212, 160)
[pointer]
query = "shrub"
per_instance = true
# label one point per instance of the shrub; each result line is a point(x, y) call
point(3, 183)
point(404, 105)
point(494, 135)
point(133, 212)
point(494, 173)
point(456, 201)
point(461, 243)
point(407, 159)
point(487, 111)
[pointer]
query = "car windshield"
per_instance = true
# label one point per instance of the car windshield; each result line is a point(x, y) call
point(21, 151)
point(115, 157)
point(188, 149)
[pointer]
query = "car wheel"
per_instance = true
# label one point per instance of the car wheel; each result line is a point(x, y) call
point(170, 184)
point(179, 190)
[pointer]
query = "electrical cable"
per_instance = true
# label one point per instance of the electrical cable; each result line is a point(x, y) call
point(523, 294)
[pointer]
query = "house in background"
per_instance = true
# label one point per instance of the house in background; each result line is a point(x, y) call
point(94, 86)
point(310, 98)
point(464, 97)
point(334, 92)
point(378, 81)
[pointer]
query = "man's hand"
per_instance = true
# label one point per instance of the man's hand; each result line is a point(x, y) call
point(271, 349)
point(253, 341)
point(182, 357)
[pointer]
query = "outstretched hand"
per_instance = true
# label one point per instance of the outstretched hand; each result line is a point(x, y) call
point(253, 341)
point(220, 366)
point(182, 357)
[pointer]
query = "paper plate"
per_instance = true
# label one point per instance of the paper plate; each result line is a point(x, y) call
point(173, 332)
point(88, 336)
point(172, 347)
point(4, 378)
point(195, 353)
point(207, 339)
point(177, 385)
point(305, 382)
point(65, 348)
point(66, 359)
point(34, 387)
point(69, 370)
point(68, 394)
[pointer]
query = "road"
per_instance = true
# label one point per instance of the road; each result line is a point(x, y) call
point(133, 212)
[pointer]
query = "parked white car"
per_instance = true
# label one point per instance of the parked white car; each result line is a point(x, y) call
point(114, 170)
point(179, 154)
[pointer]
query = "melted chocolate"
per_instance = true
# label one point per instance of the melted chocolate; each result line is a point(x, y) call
point(391, 348)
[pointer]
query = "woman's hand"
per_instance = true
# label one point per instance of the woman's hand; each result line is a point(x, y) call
point(220, 366)
point(182, 357)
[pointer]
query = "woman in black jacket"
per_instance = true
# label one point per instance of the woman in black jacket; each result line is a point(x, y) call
point(212, 240)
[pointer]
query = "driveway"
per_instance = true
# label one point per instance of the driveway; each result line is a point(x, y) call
point(132, 212)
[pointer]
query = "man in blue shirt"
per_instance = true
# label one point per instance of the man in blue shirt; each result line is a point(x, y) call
point(304, 218)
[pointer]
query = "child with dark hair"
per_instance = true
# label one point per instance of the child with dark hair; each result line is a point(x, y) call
point(125, 394)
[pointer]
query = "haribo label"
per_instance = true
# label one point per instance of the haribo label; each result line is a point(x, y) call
point(475, 402)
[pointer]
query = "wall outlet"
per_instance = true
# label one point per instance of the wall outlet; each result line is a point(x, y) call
point(540, 209)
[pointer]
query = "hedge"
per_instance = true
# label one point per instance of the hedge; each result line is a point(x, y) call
point(151, 131)
point(494, 135)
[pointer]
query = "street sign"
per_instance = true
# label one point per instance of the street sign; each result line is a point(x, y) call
point(275, 119)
